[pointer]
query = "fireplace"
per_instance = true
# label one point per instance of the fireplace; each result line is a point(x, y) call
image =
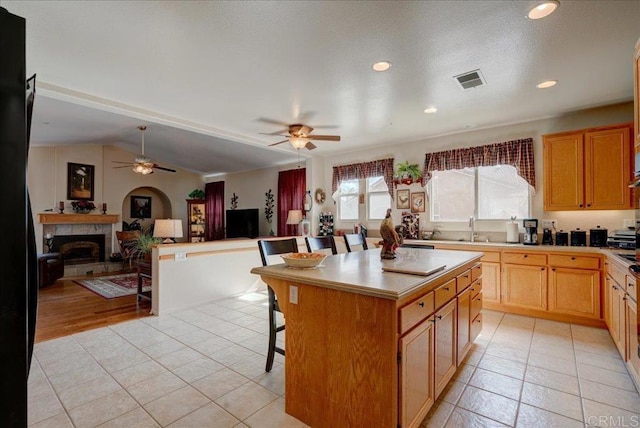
point(79, 249)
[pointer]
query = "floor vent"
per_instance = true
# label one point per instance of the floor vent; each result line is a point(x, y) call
point(470, 80)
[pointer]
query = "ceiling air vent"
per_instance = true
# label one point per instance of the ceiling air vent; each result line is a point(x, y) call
point(471, 79)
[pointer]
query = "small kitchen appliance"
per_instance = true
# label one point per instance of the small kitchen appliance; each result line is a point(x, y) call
point(578, 238)
point(597, 237)
point(547, 237)
point(624, 239)
point(530, 231)
point(562, 238)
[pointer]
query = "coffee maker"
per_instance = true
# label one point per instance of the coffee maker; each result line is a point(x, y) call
point(530, 231)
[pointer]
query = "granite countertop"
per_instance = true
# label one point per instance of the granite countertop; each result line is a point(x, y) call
point(361, 271)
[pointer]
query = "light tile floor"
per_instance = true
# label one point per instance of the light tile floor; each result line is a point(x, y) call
point(204, 367)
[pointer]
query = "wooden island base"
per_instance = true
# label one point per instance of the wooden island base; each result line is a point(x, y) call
point(351, 354)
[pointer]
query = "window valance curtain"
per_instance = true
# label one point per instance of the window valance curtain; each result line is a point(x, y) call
point(214, 209)
point(383, 167)
point(518, 153)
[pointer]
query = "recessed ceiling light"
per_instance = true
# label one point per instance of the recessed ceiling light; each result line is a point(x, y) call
point(546, 84)
point(381, 66)
point(543, 9)
point(431, 110)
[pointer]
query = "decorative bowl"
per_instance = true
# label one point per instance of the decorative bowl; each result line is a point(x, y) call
point(303, 260)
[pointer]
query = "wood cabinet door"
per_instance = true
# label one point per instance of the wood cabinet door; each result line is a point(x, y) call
point(608, 169)
point(574, 292)
point(563, 172)
point(632, 338)
point(446, 345)
point(636, 94)
point(617, 313)
point(464, 324)
point(417, 388)
point(491, 282)
point(524, 286)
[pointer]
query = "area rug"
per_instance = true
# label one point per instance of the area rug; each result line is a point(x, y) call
point(115, 285)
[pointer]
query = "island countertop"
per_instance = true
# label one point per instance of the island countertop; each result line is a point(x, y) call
point(361, 271)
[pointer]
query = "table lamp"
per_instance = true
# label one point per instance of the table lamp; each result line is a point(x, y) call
point(168, 229)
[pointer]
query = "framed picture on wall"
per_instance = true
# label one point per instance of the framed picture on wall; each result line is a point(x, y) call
point(80, 181)
point(417, 202)
point(402, 199)
point(140, 207)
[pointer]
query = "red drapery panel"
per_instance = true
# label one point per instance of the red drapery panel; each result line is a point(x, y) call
point(383, 167)
point(214, 209)
point(291, 187)
point(518, 153)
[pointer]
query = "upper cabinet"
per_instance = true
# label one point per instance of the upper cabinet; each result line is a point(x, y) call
point(589, 169)
point(636, 94)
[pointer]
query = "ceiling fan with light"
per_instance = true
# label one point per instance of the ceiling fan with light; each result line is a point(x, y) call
point(299, 135)
point(142, 164)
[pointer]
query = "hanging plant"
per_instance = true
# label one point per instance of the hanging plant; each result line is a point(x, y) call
point(268, 208)
point(234, 201)
point(407, 173)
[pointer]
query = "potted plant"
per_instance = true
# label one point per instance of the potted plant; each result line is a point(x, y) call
point(407, 173)
point(196, 194)
point(144, 244)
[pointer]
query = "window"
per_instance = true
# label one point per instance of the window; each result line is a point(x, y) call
point(486, 192)
point(377, 196)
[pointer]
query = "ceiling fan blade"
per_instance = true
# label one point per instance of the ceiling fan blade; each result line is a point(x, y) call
point(156, 166)
point(310, 146)
point(279, 142)
point(130, 163)
point(282, 132)
point(124, 166)
point(324, 137)
point(327, 126)
point(272, 121)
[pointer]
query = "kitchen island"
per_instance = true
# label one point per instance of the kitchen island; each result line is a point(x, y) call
point(371, 348)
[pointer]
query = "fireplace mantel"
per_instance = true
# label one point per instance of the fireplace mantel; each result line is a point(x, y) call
point(51, 218)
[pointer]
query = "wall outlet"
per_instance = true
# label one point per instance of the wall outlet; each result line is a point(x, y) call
point(627, 223)
point(549, 223)
point(293, 294)
point(181, 257)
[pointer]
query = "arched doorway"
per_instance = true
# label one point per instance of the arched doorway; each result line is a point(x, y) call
point(142, 206)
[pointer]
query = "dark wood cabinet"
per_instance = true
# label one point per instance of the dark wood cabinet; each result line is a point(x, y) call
point(197, 220)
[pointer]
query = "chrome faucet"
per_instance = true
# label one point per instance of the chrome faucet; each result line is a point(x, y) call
point(471, 225)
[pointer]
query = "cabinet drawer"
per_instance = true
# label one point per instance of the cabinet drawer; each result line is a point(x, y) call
point(525, 259)
point(416, 311)
point(463, 281)
point(632, 288)
point(445, 292)
point(476, 326)
point(476, 287)
point(579, 262)
point(476, 272)
point(476, 305)
point(618, 274)
point(490, 256)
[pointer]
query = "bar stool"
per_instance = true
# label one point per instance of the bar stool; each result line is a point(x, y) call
point(321, 243)
point(272, 248)
point(351, 239)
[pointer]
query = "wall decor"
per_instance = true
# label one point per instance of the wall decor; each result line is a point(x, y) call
point(234, 201)
point(402, 199)
point(140, 207)
point(80, 181)
point(411, 223)
point(320, 196)
point(417, 202)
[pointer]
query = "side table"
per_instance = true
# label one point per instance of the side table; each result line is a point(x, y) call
point(144, 271)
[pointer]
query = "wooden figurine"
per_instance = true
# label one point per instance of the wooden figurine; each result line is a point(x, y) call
point(390, 238)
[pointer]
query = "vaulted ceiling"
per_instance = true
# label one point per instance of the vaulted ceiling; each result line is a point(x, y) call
point(209, 77)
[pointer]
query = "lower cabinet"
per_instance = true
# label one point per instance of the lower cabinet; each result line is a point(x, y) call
point(491, 282)
point(633, 362)
point(417, 387)
point(524, 286)
point(617, 315)
point(574, 292)
point(464, 324)
point(446, 345)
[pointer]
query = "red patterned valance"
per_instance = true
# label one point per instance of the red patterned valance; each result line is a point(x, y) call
point(363, 170)
point(518, 153)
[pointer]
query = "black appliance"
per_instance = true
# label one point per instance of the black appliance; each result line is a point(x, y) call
point(547, 237)
point(242, 223)
point(578, 238)
point(562, 238)
point(624, 239)
point(598, 237)
point(530, 231)
point(19, 291)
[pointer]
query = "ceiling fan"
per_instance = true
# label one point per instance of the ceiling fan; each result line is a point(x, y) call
point(299, 135)
point(142, 164)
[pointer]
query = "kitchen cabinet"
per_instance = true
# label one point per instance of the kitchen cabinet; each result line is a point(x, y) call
point(589, 169)
point(417, 389)
point(636, 94)
point(633, 360)
point(445, 345)
point(464, 324)
point(491, 282)
point(617, 314)
point(196, 216)
point(524, 280)
point(574, 292)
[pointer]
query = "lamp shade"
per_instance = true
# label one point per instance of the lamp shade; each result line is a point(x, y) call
point(294, 217)
point(167, 228)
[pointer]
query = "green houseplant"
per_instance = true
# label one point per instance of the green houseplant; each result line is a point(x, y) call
point(407, 173)
point(143, 245)
point(196, 194)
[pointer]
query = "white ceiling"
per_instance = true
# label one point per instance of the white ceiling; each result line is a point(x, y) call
point(203, 74)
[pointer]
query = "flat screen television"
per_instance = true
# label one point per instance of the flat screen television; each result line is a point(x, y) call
point(242, 223)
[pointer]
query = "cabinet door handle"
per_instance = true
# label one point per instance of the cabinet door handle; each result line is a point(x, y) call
point(473, 289)
point(421, 304)
point(614, 287)
point(526, 255)
point(541, 268)
point(439, 317)
point(588, 205)
point(624, 298)
point(573, 258)
point(465, 276)
point(445, 288)
point(433, 320)
point(580, 205)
